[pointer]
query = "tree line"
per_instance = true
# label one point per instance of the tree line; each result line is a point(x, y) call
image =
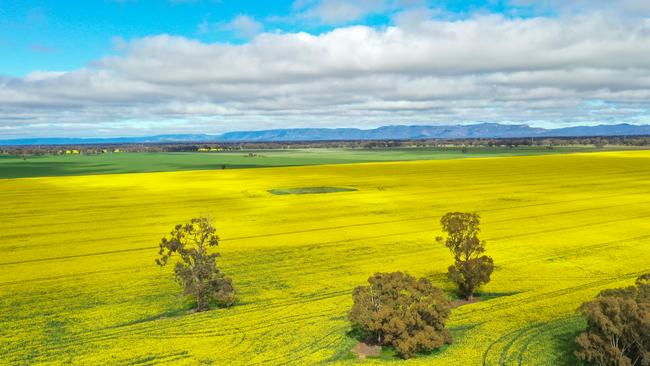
point(550, 143)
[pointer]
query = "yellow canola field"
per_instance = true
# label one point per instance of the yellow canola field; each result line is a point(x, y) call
point(78, 282)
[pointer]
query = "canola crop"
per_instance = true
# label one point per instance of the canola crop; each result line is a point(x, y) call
point(78, 282)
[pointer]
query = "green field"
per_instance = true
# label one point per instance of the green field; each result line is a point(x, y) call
point(57, 165)
point(78, 282)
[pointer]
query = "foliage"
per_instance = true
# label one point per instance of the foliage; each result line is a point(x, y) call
point(197, 270)
point(470, 270)
point(400, 311)
point(618, 326)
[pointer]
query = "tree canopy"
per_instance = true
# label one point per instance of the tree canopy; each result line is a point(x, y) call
point(197, 271)
point(618, 326)
point(470, 270)
point(398, 310)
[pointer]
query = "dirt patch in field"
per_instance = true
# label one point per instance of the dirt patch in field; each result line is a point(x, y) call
point(461, 302)
point(310, 190)
point(364, 350)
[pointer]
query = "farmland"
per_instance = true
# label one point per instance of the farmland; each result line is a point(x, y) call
point(57, 165)
point(78, 282)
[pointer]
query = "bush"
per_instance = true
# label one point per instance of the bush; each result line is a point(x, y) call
point(399, 311)
point(618, 326)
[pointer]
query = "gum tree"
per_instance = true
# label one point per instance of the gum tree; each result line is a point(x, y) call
point(618, 326)
point(197, 271)
point(471, 269)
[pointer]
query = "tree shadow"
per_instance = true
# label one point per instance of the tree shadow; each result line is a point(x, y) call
point(564, 346)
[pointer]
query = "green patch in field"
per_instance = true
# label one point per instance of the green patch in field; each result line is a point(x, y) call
point(310, 190)
point(14, 166)
point(555, 340)
point(153, 359)
point(56, 331)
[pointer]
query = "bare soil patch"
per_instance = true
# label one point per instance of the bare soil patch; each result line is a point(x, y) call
point(310, 190)
point(364, 350)
point(460, 302)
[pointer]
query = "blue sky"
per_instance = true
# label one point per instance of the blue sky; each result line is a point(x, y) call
point(65, 35)
point(68, 34)
point(138, 67)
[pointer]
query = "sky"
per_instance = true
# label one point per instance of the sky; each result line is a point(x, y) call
point(105, 68)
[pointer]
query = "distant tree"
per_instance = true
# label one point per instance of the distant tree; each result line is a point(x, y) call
point(400, 311)
point(618, 326)
point(470, 270)
point(197, 270)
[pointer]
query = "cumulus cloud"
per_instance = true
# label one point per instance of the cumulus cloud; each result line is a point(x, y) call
point(545, 71)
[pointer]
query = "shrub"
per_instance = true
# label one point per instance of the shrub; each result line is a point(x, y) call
point(399, 311)
point(618, 326)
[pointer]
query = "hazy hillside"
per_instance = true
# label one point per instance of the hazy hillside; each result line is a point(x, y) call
point(482, 130)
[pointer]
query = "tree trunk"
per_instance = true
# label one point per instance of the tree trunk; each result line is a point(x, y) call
point(200, 304)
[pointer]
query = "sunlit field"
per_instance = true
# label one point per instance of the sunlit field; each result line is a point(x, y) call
point(78, 282)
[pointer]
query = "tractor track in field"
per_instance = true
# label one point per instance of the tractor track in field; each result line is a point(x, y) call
point(418, 218)
point(356, 225)
point(370, 254)
point(273, 321)
point(270, 320)
point(549, 327)
point(577, 251)
point(541, 296)
point(296, 354)
point(509, 338)
point(522, 338)
point(356, 239)
point(60, 277)
point(294, 318)
point(80, 274)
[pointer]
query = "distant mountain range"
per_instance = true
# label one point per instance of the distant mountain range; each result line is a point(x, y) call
point(482, 130)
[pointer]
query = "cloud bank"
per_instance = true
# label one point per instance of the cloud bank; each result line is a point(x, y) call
point(577, 68)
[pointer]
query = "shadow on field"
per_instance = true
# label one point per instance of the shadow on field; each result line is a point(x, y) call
point(563, 345)
point(27, 169)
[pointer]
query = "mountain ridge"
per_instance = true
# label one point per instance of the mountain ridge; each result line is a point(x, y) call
point(389, 132)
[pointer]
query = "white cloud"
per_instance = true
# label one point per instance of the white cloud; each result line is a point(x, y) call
point(342, 11)
point(242, 26)
point(245, 26)
point(612, 7)
point(575, 69)
point(336, 12)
